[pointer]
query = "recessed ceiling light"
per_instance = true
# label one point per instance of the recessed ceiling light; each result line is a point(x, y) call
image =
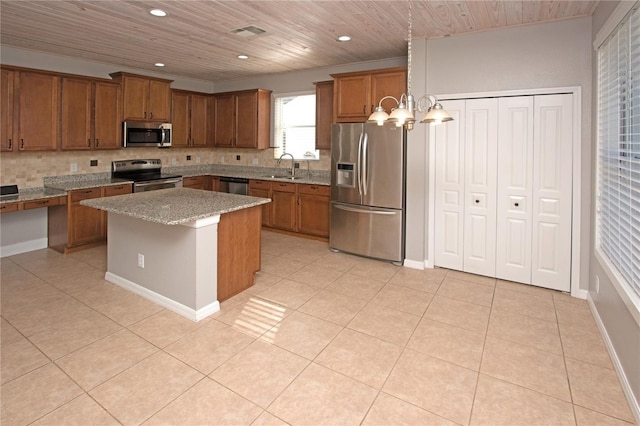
point(243, 57)
point(159, 64)
point(158, 12)
point(344, 38)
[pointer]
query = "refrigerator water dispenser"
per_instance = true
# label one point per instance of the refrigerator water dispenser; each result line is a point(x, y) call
point(345, 175)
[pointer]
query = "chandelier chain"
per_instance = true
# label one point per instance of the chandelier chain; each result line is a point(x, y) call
point(409, 54)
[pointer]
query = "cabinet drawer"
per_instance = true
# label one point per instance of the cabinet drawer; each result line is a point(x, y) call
point(260, 184)
point(314, 189)
point(9, 207)
point(84, 194)
point(36, 204)
point(284, 187)
point(192, 181)
point(117, 190)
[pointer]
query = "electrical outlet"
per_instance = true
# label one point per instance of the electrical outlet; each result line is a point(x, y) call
point(140, 260)
point(93, 163)
point(188, 158)
point(197, 159)
point(237, 158)
point(255, 161)
point(222, 159)
point(74, 167)
point(597, 284)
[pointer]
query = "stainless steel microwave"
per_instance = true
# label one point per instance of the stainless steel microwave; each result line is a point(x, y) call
point(146, 134)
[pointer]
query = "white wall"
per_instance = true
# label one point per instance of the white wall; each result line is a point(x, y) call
point(23, 231)
point(556, 54)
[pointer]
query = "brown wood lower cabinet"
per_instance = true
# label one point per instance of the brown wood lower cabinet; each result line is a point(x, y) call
point(73, 226)
point(283, 206)
point(194, 182)
point(262, 189)
point(238, 251)
point(85, 223)
point(313, 210)
point(299, 208)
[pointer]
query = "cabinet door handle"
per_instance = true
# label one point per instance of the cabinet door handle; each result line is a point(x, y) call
point(42, 202)
point(97, 142)
point(89, 142)
point(145, 114)
point(10, 144)
point(151, 115)
point(21, 143)
point(371, 108)
point(364, 109)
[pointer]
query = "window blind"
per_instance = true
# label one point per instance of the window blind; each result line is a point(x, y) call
point(295, 125)
point(618, 180)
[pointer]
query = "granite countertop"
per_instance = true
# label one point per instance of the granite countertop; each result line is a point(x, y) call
point(92, 180)
point(247, 172)
point(30, 194)
point(174, 206)
point(83, 182)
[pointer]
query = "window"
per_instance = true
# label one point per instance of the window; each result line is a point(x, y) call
point(295, 126)
point(618, 180)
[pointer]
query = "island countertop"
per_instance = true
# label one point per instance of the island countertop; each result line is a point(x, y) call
point(174, 206)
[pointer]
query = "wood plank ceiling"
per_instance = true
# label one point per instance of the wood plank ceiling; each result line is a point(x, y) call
point(196, 39)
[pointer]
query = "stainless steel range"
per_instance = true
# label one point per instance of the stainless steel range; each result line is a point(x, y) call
point(146, 174)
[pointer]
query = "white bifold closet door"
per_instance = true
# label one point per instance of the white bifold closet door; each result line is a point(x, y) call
point(503, 189)
point(449, 194)
point(465, 187)
point(552, 191)
point(515, 189)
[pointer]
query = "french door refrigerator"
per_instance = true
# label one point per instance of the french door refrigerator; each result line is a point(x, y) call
point(368, 190)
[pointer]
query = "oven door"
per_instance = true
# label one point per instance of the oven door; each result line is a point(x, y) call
point(153, 185)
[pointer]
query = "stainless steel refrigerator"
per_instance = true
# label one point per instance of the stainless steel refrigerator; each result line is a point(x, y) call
point(368, 190)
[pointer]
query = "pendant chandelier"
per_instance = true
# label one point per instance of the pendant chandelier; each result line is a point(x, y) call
point(404, 113)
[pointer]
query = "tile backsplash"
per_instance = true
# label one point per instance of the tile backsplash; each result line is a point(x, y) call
point(27, 169)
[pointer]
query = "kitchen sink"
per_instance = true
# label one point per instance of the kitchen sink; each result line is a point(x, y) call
point(282, 177)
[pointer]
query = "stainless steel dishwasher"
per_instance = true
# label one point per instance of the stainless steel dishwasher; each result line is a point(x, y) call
point(233, 185)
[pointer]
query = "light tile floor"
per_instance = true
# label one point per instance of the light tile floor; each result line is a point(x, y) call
point(321, 339)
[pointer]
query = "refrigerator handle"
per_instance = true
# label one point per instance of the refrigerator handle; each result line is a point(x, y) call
point(359, 174)
point(365, 162)
point(355, 210)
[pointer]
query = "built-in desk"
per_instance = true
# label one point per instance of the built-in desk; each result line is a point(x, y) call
point(185, 249)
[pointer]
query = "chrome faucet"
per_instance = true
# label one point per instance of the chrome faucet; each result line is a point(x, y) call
point(293, 169)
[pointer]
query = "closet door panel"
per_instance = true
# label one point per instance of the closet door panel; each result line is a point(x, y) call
point(480, 186)
point(449, 198)
point(552, 191)
point(514, 192)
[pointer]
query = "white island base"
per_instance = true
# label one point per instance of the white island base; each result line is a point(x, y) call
point(173, 266)
point(185, 249)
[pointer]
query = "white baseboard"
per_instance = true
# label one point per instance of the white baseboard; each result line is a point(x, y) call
point(580, 293)
point(626, 387)
point(23, 247)
point(172, 305)
point(414, 264)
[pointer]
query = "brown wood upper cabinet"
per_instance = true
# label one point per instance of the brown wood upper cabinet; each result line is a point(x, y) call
point(189, 117)
point(90, 116)
point(30, 105)
point(145, 98)
point(242, 119)
point(356, 94)
point(7, 142)
point(324, 113)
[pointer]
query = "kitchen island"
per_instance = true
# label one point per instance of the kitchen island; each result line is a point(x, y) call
point(185, 249)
